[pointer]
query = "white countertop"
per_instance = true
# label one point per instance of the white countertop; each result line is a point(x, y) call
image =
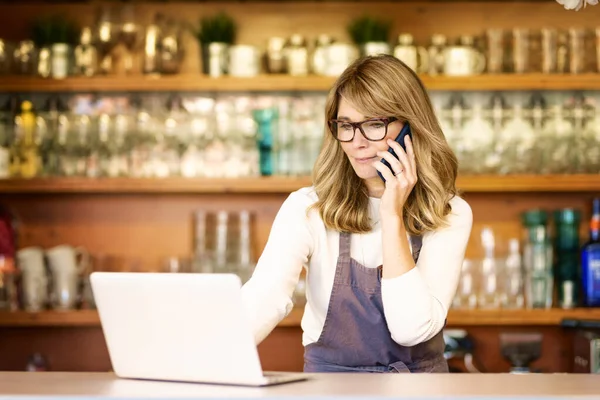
point(76, 385)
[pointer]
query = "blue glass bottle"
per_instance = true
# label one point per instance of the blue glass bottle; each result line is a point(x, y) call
point(590, 261)
point(266, 139)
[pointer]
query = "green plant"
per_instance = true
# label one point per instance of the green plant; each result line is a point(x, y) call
point(218, 28)
point(369, 29)
point(48, 30)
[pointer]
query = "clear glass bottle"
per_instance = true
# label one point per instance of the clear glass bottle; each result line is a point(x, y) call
point(221, 243)
point(559, 135)
point(537, 260)
point(454, 115)
point(513, 296)
point(516, 141)
point(202, 261)
point(590, 142)
point(466, 293)
point(538, 117)
point(245, 259)
point(489, 291)
point(86, 55)
point(478, 141)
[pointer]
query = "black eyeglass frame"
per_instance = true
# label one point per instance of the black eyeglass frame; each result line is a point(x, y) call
point(358, 125)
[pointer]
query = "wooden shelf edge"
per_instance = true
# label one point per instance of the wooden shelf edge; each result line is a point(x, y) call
point(181, 83)
point(283, 184)
point(276, 82)
point(524, 317)
point(465, 318)
point(78, 318)
point(274, 184)
point(530, 183)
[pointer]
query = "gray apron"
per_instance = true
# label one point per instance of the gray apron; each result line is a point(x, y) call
point(355, 336)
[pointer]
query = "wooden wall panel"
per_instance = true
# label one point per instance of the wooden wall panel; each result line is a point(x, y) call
point(141, 229)
point(84, 349)
point(259, 21)
point(556, 354)
point(146, 228)
point(65, 348)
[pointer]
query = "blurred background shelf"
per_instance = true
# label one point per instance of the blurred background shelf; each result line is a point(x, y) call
point(530, 183)
point(551, 317)
point(283, 184)
point(267, 83)
point(524, 317)
point(79, 318)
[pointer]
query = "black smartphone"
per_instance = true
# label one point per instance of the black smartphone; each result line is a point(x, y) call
point(400, 140)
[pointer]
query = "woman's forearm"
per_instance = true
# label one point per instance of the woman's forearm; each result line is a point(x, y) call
point(397, 256)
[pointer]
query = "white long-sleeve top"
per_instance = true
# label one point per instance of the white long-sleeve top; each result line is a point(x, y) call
point(415, 303)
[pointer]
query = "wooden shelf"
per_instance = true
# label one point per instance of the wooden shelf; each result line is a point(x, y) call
point(179, 83)
point(86, 318)
point(79, 318)
point(480, 317)
point(275, 184)
point(272, 83)
point(551, 317)
point(529, 183)
point(282, 184)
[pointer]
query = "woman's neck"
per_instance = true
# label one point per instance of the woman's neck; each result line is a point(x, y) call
point(375, 186)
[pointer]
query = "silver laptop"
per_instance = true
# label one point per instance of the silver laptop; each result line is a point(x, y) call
point(180, 327)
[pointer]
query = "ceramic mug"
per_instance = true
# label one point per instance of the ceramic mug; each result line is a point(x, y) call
point(30, 261)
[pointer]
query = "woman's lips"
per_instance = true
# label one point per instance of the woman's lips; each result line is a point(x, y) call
point(365, 160)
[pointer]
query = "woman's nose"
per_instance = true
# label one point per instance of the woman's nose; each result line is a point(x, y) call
point(359, 139)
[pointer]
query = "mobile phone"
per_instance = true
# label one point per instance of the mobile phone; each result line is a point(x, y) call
point(405, 131)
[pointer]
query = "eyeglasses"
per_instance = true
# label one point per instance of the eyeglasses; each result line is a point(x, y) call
point(373, 129)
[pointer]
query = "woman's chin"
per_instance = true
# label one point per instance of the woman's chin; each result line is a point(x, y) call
point(365, 171)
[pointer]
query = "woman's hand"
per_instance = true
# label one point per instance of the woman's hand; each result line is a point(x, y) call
point(400, 182)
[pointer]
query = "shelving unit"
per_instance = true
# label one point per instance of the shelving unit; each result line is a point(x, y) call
point(283, 83)
point(477, 317)
point(282, 184)
point(153, 217)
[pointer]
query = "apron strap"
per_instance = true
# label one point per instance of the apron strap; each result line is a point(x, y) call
point(416, 242)
point(345, 241)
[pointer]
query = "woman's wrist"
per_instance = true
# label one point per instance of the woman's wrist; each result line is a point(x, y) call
point(391, 218)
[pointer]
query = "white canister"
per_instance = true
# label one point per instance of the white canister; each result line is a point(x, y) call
point(60, 60)
point(339, 56)
point(4, 162)
point(244, 61)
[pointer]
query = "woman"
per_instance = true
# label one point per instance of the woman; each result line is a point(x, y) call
point(382, 259)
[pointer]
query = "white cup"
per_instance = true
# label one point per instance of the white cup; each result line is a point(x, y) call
point(30, 261)
point(67, 264)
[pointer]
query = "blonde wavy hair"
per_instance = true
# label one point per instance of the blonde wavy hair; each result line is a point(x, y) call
point(383, 86)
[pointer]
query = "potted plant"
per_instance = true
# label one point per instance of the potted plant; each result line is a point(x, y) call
point(215, 34)
point(370, 34)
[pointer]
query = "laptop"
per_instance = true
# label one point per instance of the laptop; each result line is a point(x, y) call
point(180, 327)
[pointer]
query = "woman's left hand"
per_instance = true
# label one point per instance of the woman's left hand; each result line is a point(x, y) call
point(400, 182)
